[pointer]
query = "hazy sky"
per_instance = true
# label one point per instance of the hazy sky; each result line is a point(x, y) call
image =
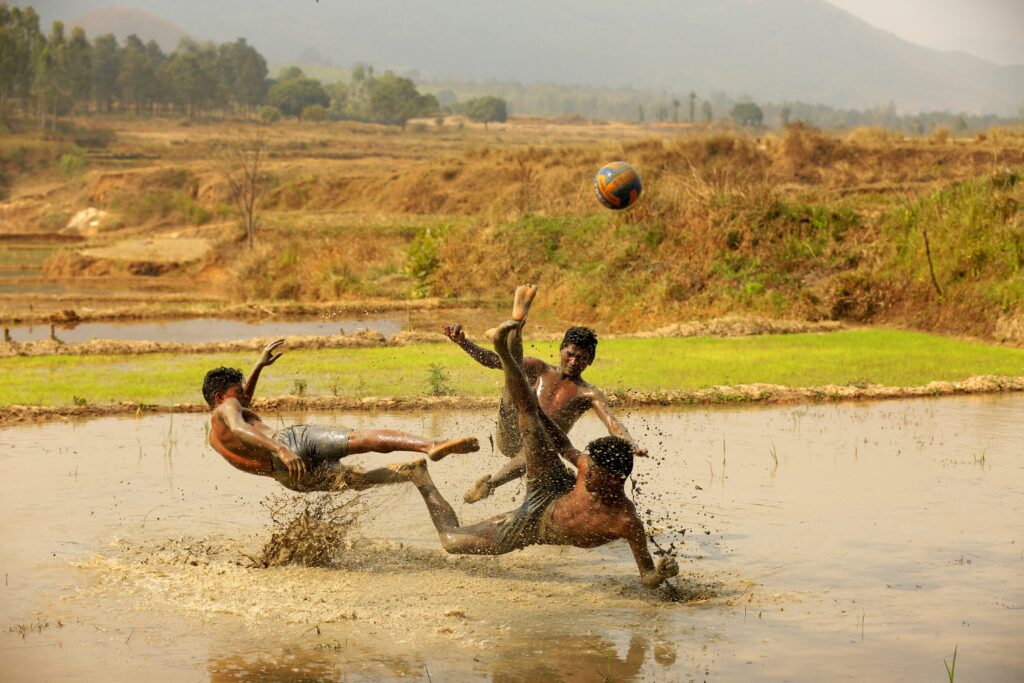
point(990, 29)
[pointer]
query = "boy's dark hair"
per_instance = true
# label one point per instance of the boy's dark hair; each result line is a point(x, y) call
point(582, 337)
point(220, 379)
point(613, 454)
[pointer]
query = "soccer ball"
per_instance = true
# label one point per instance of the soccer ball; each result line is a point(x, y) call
point(618, 185)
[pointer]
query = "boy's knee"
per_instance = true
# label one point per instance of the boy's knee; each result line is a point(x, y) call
point(451, 545)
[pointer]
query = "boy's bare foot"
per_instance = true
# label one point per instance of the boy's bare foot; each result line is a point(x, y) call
point(414, 471)
point(465, 444)
point(481, 489)
point(521, 303)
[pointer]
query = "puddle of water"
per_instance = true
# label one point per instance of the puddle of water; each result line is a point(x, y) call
point(837, 542)
point(198, 331)
point(204, 330)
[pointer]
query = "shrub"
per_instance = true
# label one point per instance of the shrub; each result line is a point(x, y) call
point(269, 114)
point(439, 380)
point(422, 259)
point(314, 112)
point(71, 165)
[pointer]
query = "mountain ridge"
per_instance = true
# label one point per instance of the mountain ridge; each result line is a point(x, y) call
point(797, 50)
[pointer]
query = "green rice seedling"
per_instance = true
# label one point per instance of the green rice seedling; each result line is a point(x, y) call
point(951, 669)
point(439, 381)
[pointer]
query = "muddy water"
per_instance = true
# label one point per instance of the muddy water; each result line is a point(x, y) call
point(841, 542)
point(204, 330)
point(198, 331)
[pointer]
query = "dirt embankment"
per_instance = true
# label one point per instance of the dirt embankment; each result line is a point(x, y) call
point(718, 395)
point(365, 338)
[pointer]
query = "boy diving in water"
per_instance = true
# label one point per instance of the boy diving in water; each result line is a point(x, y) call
point(303, 457)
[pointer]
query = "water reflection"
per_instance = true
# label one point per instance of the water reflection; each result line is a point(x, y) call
point(578, 659)
point(523, 660)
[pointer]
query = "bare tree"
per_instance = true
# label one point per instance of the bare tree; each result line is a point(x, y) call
point(240, 164)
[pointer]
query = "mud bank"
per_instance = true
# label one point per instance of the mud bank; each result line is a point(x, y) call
point(717, 395)
point(363, 338)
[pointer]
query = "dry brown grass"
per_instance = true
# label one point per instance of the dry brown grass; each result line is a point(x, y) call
point(346, 201)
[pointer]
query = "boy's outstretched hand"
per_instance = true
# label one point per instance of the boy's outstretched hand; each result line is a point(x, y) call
point(268, 357)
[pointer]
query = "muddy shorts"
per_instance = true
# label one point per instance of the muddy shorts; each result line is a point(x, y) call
point(522, 527)
point(320, 448)
point(315, 445)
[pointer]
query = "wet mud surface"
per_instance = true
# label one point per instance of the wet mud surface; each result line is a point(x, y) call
point(824, 542)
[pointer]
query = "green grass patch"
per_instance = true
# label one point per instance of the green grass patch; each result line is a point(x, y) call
point(855, 357)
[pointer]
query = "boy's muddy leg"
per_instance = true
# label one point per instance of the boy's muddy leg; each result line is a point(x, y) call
point(475, 539)
point(538, 448)
point(389, 440)
point(361, 479)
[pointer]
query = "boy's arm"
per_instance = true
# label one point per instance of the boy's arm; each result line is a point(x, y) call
point(599, 402)
point(231, 412)
point(485, 357)
point(266, 358)
point(650, 575)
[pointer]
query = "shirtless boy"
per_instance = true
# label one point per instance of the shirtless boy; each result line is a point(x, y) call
point(586, 511)
point(303, 457)
point(563, 394)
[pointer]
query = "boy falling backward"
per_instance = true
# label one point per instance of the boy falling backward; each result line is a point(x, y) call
point(303, 457)
point(586, 511)
point(563, 394)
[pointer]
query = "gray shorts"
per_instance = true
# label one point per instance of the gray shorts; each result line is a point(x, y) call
point(317, 446)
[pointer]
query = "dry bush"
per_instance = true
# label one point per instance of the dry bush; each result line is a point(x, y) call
point(803, 152)
point(940, 136)
point(873, 136)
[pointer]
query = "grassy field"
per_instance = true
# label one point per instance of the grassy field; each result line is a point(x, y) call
point(876, 356)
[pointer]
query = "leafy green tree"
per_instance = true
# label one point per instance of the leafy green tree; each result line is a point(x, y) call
point(192, 78)
point(747, 114)
point(293, 95)
point(245, 74)
point(79, 67)
point(394, 99)
point(137, 74)
point(106, 68)
point(158, 89)
point(705, 111)
point(693, 106)
point(50, 84)
point(487, 109)
point(19, 41)
point(784, 115)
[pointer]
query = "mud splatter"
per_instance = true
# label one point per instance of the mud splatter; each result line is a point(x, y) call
point(310, 530)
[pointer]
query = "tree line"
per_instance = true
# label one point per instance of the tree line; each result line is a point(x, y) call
point(46, 76)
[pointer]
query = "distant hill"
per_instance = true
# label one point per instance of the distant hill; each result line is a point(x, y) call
point(124, 21)
point(805, 50)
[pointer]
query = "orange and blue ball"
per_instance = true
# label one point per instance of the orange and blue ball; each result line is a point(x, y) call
point(618, 185)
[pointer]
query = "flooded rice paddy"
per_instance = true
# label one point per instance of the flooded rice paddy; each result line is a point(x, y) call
point(202, 330)
point(836, 542)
